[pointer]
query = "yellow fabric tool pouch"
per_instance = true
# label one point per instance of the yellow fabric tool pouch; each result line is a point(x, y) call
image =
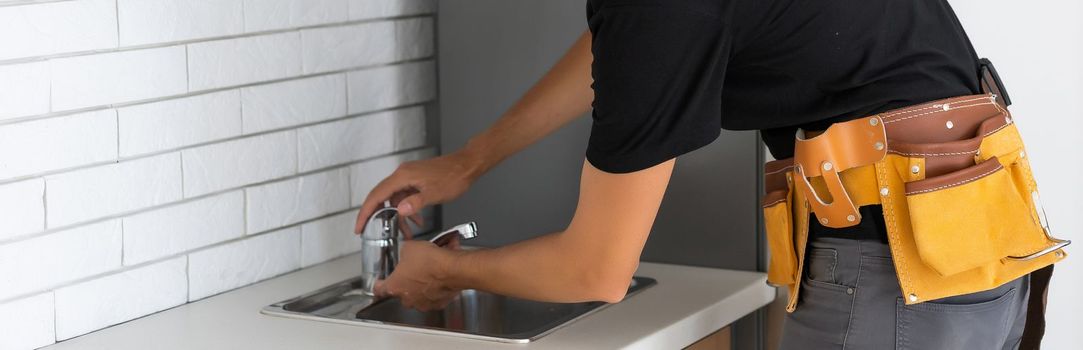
point(982, 213)
point(778, 223)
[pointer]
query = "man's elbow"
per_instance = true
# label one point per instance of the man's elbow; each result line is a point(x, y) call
point(608, 286)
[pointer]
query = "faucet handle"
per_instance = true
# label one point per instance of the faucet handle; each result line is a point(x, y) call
point(465, 231)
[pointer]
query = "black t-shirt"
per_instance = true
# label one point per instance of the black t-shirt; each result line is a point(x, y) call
point(668, 74)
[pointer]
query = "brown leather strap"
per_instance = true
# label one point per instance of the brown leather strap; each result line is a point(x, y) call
point(991, 83)
point(843, 146)
point(1035, 326)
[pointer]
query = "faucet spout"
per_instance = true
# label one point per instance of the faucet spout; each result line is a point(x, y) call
point(379, 247)
point(380, 244)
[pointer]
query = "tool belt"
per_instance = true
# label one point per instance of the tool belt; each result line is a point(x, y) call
point(960, 204)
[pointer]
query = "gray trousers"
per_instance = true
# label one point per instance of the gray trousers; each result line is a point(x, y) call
point(850, 299)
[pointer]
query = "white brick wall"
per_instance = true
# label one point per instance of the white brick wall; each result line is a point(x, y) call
point(324, 240)
point(176, 229)
point(53, 28)
point(22, 208)
point(30, 320)
point(116, 298)
point(335, 48)
point(156, 152)
point(57, 143)
point(361, 9)
point(241, 162)
point(78, 82)
point(384, 87)
point(39, 263)
point(157, 21)
point(286, 202)
point(222, 268)
point(245, 60)
point(181, 122)
point(97, 192)
point(369, 135)
point(25, 90)
point(277, 14)
point(294, 102)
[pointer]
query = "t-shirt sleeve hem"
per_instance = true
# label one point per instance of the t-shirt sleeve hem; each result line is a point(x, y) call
point(623, 164)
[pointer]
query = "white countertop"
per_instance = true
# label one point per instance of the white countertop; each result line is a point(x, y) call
point(687, 304)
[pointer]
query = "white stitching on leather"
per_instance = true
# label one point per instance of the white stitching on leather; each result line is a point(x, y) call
point(995, 130)
point(961, 182)
point(893, 231)
point(779, 170)
point(934, 154)
point(935, 106)
point(934, 112)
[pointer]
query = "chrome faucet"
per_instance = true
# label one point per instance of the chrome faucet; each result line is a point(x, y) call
point(380, 244)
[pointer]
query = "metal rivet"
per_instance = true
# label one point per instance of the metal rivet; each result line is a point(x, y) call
point(913, 297)
point(789, 177)
point(850, 291)
point(1022, 154)
point(823, 221)
point(879, 146)
point(828, 166)
point(915, 169)
point(1060, 254)
point(850, 218)
point(1007, 120)
point(874, 121)
point(949, 124)
point(883, 191)
point(946, 107)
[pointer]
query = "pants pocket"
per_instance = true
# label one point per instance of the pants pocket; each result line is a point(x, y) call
point(973, 321)
point(822, 319)
point(971, 217)
point(822, 263)
point(778, 224)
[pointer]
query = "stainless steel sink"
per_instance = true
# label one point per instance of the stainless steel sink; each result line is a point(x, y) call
point(474, 314)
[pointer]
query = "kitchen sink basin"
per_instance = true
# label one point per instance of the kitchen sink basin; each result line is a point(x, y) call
point(473, 314)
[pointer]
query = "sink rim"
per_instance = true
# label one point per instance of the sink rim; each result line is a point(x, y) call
point(279, 310)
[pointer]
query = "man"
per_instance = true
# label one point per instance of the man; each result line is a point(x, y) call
point(663, 76)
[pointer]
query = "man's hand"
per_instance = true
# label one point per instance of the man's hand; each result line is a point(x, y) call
point(419, 279)
point(415, 185)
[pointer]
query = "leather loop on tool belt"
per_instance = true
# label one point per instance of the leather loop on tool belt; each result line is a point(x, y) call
point(841, 147)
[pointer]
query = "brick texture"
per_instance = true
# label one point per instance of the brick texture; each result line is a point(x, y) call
point(157, 152)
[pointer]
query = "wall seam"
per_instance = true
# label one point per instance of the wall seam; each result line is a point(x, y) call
point(116, 9)
point(190, 93)
point(213, 142)
point(203, 40)
point(185, 253)
point(185, 200)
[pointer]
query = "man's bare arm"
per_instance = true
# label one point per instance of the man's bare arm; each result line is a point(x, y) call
point(593, 259)
point(563, 94)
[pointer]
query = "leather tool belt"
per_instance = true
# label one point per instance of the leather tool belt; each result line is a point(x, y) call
point(959, 200)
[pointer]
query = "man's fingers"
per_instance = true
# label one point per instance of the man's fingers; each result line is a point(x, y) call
point(380, 289)
point(405, 228)
point(382, 192)
point(417, 219)
point(411, 205)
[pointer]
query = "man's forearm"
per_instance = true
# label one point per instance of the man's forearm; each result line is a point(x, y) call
point(593, 259)
point(545, 268)
point(563, 94)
